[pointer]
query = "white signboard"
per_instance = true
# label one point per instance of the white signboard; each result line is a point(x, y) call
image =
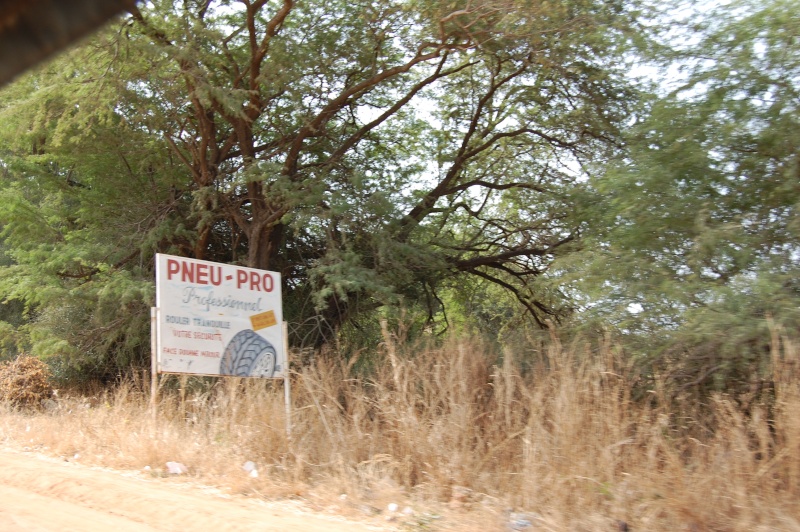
point(218, 319)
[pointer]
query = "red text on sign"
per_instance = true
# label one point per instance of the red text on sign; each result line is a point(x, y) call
point(258, 281)
point(191, 272)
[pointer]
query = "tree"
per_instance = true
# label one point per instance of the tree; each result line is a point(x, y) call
point(85, 202)
point(372, 152)
point(697, 226)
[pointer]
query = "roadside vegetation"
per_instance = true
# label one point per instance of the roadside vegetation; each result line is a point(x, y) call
point(569, 439)
point(539, 256)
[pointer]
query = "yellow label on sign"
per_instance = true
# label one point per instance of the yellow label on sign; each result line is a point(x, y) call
point(263, 320)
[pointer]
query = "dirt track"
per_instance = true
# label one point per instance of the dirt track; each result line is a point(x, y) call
point(46, 495)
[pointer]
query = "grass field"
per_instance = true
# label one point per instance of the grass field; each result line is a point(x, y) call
point(565, 441)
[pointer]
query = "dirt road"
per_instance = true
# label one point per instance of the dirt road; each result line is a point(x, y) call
point(40, 495)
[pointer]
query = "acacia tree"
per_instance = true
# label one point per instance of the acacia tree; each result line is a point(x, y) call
point(698, 225)
point(84, 201)
point(289, 109)
point(369, 151)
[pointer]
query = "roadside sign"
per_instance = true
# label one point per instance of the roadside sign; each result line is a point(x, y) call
point(218, 319)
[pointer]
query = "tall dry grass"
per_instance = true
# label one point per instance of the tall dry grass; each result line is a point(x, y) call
point(451, 429)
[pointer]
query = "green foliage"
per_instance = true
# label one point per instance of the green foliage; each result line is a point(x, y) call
point(410, 161)
point(86, 200)
point(696, 230)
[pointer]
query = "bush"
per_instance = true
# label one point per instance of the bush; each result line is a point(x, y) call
point(25, 381)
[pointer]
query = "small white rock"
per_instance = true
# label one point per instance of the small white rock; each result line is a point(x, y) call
point(249, 466)
point(392, 507)
point(254, 473)
point(176, 468)
point(146, 468)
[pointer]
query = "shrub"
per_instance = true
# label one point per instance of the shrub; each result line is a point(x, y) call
point(25, 381)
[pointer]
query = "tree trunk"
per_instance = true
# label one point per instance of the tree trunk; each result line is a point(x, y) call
point(264, 245)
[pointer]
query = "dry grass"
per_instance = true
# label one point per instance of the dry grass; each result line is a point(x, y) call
point(449, 431)
point(25, 382)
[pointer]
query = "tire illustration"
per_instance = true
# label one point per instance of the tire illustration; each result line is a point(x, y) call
point(248, 355)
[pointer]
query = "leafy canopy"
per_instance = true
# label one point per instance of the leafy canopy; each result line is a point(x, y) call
point(696, 228)
point(375, 153)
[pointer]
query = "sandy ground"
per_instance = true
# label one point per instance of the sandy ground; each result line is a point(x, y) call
point(39, 494)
